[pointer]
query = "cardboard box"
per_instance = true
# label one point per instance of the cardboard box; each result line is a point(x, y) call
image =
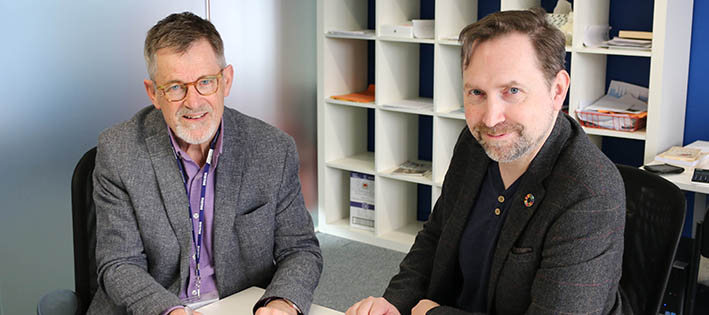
point(362, 201)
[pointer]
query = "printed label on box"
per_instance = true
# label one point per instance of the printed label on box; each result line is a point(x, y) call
point(362, 201)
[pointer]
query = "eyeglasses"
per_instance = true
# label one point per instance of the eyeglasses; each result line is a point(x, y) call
point(205, 86)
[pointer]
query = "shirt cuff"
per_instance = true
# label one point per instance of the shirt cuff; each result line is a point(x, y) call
point(265, 301)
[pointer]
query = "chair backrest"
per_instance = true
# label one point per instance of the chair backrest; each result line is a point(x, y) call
point(653, 226)
point(84, 226)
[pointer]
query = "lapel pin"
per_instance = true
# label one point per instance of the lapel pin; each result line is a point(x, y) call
point(529, 200)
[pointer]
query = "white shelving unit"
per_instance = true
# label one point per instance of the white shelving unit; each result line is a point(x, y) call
point(342, 126)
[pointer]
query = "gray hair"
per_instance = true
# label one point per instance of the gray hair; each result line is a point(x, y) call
point(179, 31)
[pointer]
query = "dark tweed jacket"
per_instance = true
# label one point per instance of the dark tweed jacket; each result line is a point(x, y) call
point(561, 255)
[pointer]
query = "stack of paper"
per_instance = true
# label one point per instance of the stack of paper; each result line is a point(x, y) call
point(416, 168)
point(691, 155)
point(354, 33)
point(628, 103)
point(681, 156)
point(626, 43)
point(597, 36)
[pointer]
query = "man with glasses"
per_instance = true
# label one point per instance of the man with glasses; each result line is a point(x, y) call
point(195, 201)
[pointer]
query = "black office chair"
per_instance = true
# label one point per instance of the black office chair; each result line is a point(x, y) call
point(65, 302)
point(84, 225)
point(653, 226)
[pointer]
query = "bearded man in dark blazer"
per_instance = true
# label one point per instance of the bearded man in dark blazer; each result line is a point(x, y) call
point(531, 215)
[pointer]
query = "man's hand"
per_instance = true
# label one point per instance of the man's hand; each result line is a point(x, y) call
point(276, 307)
point(373, 306)
point(183, 311)
point(423, 307)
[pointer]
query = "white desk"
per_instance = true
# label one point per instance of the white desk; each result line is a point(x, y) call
point(700, 190)
point(243, 303)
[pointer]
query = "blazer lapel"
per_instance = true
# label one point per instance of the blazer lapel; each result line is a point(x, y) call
point(228, 174)
point(527, 199)
point(174, 197)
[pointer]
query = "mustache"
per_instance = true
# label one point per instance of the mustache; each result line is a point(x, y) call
point(186, 111)
point(503, 127)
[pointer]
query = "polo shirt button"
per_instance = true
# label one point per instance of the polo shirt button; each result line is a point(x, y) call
point(195, 215)
point(194, 292)
point(497, 211)
point(501, 198)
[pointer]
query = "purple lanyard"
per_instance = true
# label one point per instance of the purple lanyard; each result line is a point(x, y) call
point(198, 241)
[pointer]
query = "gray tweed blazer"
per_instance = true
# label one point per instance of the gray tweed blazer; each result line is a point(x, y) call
point(561, 255)
point(262, 234)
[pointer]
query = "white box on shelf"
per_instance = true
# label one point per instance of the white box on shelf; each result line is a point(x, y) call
point(362, 201)
point(405, 30)
point(424, 28)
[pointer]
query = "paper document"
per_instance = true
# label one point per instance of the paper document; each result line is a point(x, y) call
point(419, 103)
point(622, 98)
point(354, 33)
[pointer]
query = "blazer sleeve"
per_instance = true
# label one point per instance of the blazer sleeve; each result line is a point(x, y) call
point(121, 261)
point(296, 249)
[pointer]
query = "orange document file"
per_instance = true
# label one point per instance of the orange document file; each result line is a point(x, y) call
point(359, 97)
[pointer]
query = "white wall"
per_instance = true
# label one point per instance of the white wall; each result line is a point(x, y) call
point(69, 69)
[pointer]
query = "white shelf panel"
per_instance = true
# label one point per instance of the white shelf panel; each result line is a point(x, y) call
point(348, 103)
point(614, 51)
point(568, 49)
point(450, 42)
point(406, 40)
point(399, 240)
point(438, 184)
point(361, 163)
point(418, 179)
point(637, 135)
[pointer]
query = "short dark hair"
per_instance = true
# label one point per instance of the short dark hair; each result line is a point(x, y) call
point(548, 41)
point(179, 31)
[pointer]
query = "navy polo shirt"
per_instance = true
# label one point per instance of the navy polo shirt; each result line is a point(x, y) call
point(477, 244)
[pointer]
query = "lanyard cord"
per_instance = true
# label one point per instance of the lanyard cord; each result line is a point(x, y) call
point(198, 239)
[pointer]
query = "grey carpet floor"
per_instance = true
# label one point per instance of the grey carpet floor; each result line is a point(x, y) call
point(353, 271)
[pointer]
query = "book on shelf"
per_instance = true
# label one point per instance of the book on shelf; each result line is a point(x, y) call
point(635, 34)
point(681, 156)
point(416, 168)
